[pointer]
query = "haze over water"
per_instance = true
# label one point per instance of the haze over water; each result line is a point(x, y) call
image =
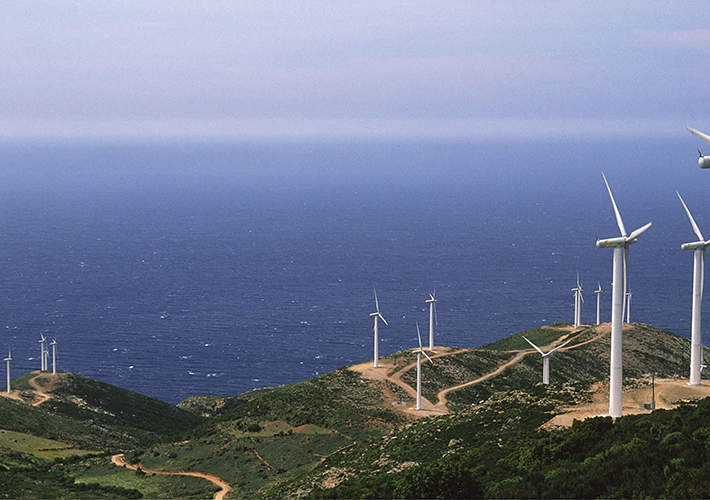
point(183, 269)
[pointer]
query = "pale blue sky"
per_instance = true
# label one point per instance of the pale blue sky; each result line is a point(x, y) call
point(80, 69)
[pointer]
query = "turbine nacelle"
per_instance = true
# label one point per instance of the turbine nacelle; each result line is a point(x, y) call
point(703, 161)
point(695, 245)
point(621, 241)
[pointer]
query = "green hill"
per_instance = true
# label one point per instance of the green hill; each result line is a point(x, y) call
point(349, 434)
point(94, 415)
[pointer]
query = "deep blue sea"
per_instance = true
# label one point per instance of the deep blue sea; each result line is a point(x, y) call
point(210, 268)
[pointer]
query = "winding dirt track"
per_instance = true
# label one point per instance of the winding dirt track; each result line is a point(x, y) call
point(120, 461)
point(41, 394)
point(385, 373)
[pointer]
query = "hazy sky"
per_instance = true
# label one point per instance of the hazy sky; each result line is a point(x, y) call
point(325, 69)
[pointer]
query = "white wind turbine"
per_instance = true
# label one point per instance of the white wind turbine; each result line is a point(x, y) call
point(621, 257)
point(7, 360)
point(599, 295)
point(377, 317)
point(54, 356)
point(42, 358)
point(628, 306)
point(578, 299)
point(432, 315)
point(696, 335)
point(419, 352)
point(546, 359)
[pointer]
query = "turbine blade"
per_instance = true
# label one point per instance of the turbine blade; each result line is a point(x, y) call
point(559, 346)
point(382, 318)
point(619, 222)
point(639, 232)
point(536, 347)
point(377, 305)
point(427, 356)
point(704, 137)
point(419, 335)
point(436, 317)
point(696, 229)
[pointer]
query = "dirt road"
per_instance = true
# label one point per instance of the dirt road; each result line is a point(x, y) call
point(120, 461)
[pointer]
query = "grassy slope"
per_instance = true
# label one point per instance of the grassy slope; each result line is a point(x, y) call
point(292, 429)
point(126, 419)
point(98, 416)
point(311, 436)
point(497, 410)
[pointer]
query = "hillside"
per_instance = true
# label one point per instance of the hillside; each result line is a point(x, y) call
point(360, 422)
point(85, 412)
point(354, 432)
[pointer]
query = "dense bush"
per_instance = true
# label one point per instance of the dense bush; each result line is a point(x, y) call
point(664, 454)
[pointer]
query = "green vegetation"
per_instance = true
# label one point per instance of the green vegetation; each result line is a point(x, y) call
point(129, 419)
point(540, 336)
point(37, 446)
point(343, 435)
point(93, 415)
point(25, 476)
point(213, 406)
point(659, 455)
point(100, 471)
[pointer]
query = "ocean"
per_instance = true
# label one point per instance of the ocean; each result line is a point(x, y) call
point(181, 269)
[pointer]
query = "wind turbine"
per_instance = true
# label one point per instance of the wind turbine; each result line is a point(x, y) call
point(598, 292)
point(432, 315)
point(696, 335)
point(546, 359)
point(621, 257)
point(419, 352)
point(703, 161)
point(7, 360)
point(578, 299)
point(54, 356)
point(42, 358)
point(628, 296)
point(377, 317)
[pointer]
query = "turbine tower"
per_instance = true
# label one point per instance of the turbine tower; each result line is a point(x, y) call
point(7, 360)
point(377, 317)
point(432, 315)
point(546, 359)
point(419, 352)
point(598, 292)
point(621, 257)
point(696, 335)
point(54, 356)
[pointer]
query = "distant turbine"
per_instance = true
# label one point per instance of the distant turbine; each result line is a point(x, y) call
point(377, 317)
point(578, 299)
point(621, 256)
point(598, 292)
point(432, 314)
point(42, 358)
point(628, 306)
point(419, 352)
point(546, 359)
point(7, 360)
point(696, 335)
point(54, 357)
